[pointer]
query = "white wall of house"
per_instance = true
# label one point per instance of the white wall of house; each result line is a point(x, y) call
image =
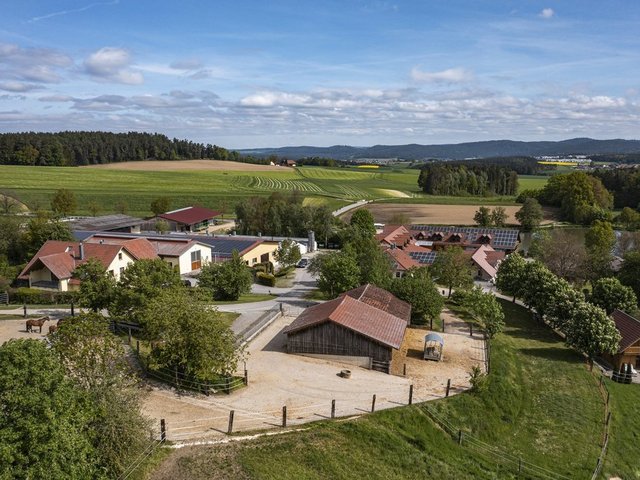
point(120, 263)
point(184, 260)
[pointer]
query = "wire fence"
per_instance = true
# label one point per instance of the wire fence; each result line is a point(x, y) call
point(604, 392)
point(149, 450)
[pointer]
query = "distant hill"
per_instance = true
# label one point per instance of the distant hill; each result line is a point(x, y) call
point(493, 148)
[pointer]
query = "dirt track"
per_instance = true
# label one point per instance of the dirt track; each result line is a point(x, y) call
point(188, 165)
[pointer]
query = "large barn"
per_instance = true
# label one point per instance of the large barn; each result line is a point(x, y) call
point(363, 326)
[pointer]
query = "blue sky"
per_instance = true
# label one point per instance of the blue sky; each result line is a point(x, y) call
point(245, 74)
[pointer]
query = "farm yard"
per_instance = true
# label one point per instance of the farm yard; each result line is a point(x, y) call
point(307, 386)
point(216, 184)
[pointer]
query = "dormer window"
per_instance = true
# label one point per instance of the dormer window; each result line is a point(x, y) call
point(120, 256)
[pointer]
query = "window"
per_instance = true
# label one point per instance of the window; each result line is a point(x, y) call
point(196, 260)
point(120, 256)
point(254, 261)
point(121, 270)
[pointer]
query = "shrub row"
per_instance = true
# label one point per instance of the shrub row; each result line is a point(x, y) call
point(266, 279)
point(40, 297)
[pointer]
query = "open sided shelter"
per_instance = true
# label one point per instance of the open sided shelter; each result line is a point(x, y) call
point(355, 328)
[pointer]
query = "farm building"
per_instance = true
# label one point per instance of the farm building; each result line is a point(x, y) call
point(190, 219)
point(629, 349)
point(109, 223)
point(364, 327)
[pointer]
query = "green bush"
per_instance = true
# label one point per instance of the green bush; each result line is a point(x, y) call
point(41, 297)
point(266, 279)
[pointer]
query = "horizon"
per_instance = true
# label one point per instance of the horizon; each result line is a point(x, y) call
point(358, 73)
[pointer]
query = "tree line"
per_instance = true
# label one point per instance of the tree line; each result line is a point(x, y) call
point(623, 183)
point(447, 178)
point(90, 148)
point(284, 215)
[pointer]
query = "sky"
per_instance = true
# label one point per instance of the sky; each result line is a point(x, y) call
point(249, 74)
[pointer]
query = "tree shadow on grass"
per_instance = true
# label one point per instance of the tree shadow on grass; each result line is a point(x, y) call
point(546, 336)
point(554, 354)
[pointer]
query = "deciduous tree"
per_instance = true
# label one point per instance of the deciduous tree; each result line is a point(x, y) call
point(43, 426)
point(530, 215)
point(95, 359)
point(337, 272)
point(417, 288)
point(629, 273)
point(510, 276)
point(482, 217)
point(160, 205)
point(363, 222)
point(609, 294)
point(288, 253)
point(499, 217)
point(452, 268)
point(485, 309)
point(226, 280)
point(591, 331)
point(174, 317)
point(599, 242)
point(63, 202)
point(96, 285)
point(41, 228)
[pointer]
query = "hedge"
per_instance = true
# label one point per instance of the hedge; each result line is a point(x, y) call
point(40, 297)
point(266, 279)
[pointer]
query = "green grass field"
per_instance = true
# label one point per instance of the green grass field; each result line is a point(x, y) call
point(541, 404)
point(222, 190)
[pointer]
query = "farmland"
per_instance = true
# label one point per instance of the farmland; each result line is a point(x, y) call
point(219, 185)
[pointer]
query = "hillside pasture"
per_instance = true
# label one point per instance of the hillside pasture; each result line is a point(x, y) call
point(185, 165)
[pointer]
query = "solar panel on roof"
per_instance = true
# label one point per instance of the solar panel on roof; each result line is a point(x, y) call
point(500, 237)
point(423, 257)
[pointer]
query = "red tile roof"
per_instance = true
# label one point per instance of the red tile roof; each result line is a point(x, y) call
point(404, 261)
point(139, 248)
point(62, 258)
point(356, 316)
point(382, 300)
point(629, 328)
point(190, 215)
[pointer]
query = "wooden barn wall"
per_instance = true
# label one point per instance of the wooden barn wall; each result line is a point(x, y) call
point(331, 339)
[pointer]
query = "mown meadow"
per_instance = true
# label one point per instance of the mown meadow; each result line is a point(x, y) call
point(221, 190)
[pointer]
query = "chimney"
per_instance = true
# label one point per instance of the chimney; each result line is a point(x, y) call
point(81, 250)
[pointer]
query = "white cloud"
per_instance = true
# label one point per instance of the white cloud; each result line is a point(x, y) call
point(41, 65)
point(451, 75)
point(112, 64)
point(186, 64)
point(13, 86)
point(547, 13)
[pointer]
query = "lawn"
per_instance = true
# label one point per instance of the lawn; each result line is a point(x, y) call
point(247, 298)
point(532, 182)
point(540, 404)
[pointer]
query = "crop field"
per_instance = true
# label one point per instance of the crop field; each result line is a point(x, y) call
point(206, 183)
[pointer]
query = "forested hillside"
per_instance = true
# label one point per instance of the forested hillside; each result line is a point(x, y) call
point(88, 148)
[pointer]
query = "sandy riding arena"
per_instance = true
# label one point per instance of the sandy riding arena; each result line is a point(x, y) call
point(188, 165)
point(307, 386)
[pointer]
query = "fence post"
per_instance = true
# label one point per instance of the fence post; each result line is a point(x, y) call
point(163, 430)
point(411, 394)
point(443, 321)
point(373, 403)
point(448, 387)
point(404, 370)
point(470, 330)
point(333, 409)
point(138, 347)
point(73, 312)
point(230, 428)
point(284, 416)
point(129, 335)
point(431, 324)
point(24, 310)
point(460, 437)
point(246, 376)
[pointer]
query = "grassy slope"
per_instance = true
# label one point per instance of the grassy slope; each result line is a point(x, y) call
point(541, 404)
point(222, 190)
point(623, 459)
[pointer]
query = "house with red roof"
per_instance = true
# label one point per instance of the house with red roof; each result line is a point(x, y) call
point(629, 348)
point(486, 260)
point(364, 326)
point(190, 219)
point(53, 265)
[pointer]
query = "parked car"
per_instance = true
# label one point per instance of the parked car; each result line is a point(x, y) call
point(303, 263)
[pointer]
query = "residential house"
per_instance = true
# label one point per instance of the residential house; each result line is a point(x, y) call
point(53, 265)
point(629, 348)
